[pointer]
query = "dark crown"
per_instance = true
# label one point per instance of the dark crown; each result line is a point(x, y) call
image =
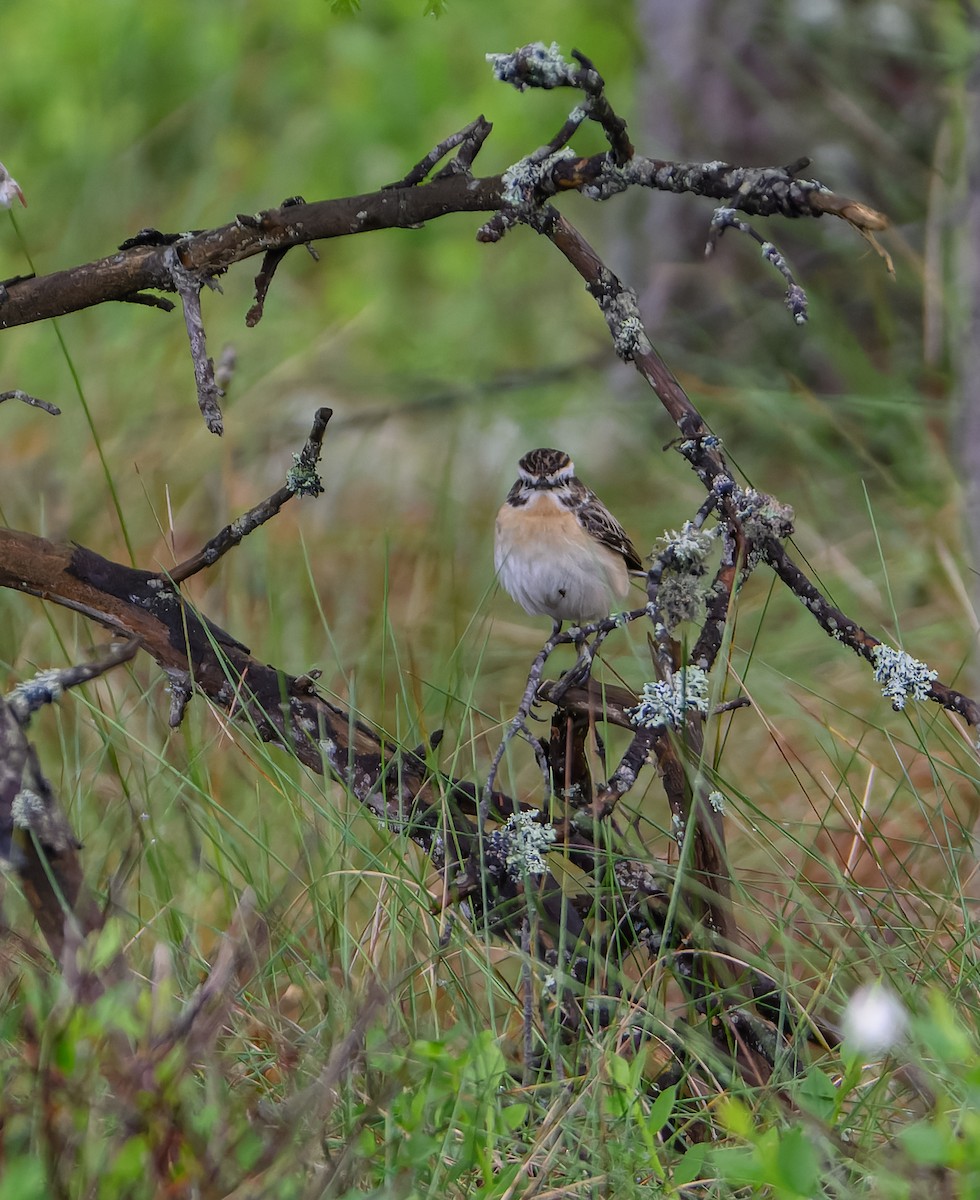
point(546, 466)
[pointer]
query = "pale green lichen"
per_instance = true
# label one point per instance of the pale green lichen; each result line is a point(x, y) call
point(523, 841)
point(902, 676)
point(303, 480)
point(686, 547)
point(631, 339)
point(27, 809)
point(679, 828)
point(763, 517)
point(680, 598)
point(666, 701)
point(534, 65)
point(27, 697)
point(521, 179)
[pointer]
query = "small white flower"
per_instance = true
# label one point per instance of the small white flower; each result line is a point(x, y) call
point(9, 188)
point(875, 1019)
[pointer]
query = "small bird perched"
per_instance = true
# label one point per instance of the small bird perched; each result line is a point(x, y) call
point(559, 552)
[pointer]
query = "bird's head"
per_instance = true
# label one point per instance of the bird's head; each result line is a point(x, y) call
point(545, 468)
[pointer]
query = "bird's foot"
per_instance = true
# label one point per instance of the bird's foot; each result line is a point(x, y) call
point(576, 675)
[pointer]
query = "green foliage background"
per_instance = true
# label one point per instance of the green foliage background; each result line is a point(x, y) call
point(444, 360)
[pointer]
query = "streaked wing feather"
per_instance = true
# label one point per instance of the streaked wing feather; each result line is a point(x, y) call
point(602, 525)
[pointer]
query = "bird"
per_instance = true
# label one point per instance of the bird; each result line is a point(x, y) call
point(558, 551)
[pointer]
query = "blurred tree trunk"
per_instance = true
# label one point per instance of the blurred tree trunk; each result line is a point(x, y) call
point(966, 321)
point(692, 103)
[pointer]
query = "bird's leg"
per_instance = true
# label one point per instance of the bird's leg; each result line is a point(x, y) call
point(583, 665)
point(578, 674)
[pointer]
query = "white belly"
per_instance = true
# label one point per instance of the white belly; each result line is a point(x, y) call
point(551, 567)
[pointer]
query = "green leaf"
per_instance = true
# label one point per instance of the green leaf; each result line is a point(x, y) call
point(798, 1162)
point(24, 1179)
point(485, 1064)
point(738, 1165)
point(944, 1035)
point(661, 1109)
point(367, 1144)
point(108, 944)
point(620, 1093)
point(129, 1164)
point(63, 1052)
point(925, 1144)
point(248, 1149)
point(817, 1094)
point(514, 1116)
point(689, 1167)
point(619, 1070)
point(736, 1118)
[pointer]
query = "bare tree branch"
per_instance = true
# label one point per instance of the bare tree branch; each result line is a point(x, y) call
point(33, 401)
point(495, 870)
point(36, 838)
point(138, 268)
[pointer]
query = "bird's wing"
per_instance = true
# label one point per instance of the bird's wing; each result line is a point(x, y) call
point(598, 521)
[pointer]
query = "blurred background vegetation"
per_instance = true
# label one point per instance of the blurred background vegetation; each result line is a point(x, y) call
point(444, 360)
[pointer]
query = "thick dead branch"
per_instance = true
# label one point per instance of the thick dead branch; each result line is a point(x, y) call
point(399, 789)
point(184, 263)
point(140, 268)
point(143, 267)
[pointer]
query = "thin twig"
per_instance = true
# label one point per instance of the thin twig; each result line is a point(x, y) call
point(470, 139)
point(33, 401)
point(270, 262)
point(601, 111)
point(301, 479)
point(727, 218)
point(148, 300)
point(517, 726)
point(46, 686)
point(539, 66)
point(188, 286)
